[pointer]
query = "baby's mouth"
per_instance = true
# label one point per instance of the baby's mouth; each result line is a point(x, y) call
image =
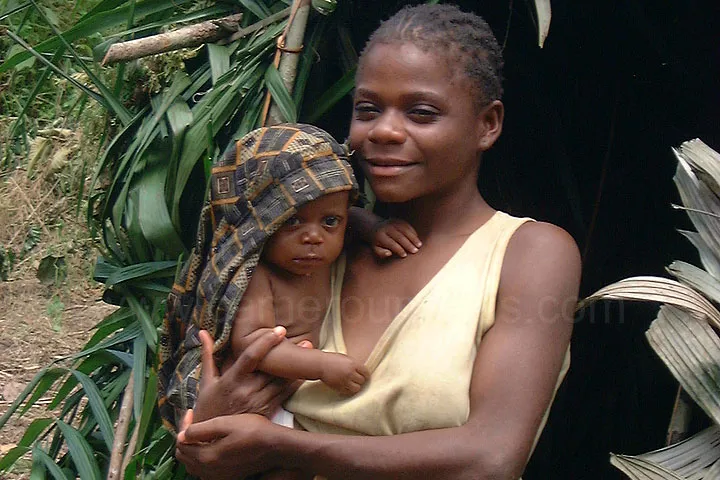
point(309, 258)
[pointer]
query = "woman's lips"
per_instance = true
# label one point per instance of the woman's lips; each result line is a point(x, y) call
point(387, 167)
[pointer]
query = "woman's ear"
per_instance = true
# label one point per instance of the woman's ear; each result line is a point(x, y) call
point(491, 121)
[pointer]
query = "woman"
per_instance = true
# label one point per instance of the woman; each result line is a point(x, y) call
point(467, 340)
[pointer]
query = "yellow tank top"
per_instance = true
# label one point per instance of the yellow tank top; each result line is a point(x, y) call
point(422, 365)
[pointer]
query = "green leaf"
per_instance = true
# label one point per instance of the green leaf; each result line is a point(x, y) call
point(12, 456)
point(32, 52)
point(155, 222)
point(47, 380)
point(13, 10)
point(148, 328)
point(30, 62)
point(280, 94)
point(163, 471)
point(52, 270)
point(308, 60)
point(179, 117)
point(141, 270)
point(43, 458)
point(148, 408)
point(260, 10)
point(87, 366)
point(219, 57)
point(34, 430)
point(110, 100)
point(98, 408)
point(128, 333)
point(117, 384)
point(120, 318)
point(37, 470)
point(331, 96)
point(80, 452)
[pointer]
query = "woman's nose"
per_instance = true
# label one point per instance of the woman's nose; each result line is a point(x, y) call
point(312, 235)
point(387, 128)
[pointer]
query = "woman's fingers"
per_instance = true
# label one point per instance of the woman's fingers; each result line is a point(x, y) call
point(186, 421)
point(207, 431)
point(272, 395)
point(251, 357)
point(209, 369)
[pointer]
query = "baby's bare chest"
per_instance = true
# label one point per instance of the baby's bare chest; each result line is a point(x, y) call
point(301, 308)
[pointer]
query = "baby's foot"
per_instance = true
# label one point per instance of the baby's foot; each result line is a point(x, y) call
point(343, 374)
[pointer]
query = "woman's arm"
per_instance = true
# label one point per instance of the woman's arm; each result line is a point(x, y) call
point(514, 378)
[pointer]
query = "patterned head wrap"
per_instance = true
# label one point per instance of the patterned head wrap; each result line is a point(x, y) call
point(254, 189)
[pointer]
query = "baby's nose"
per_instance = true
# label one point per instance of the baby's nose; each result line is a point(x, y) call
point(312, 235)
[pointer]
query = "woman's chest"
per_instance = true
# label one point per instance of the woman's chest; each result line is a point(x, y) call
point(374, 293)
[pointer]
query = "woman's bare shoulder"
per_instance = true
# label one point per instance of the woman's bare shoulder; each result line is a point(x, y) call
point(539, 250)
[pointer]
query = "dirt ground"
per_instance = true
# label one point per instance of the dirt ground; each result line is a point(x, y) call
point(40, 322)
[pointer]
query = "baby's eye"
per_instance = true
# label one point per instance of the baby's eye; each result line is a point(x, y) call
point(293, 221)
point(331, 221)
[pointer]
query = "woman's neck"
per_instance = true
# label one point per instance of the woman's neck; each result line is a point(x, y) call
point(458, 213)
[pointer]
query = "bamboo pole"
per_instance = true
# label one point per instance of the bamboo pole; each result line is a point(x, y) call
point(116, 456)
point(132, 445)
point(286, 57)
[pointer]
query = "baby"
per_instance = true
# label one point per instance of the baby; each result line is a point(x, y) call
point(294, 282)
point(265, 257)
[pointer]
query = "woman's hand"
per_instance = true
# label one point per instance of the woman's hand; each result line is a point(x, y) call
point(240, 389)
point(227, 447)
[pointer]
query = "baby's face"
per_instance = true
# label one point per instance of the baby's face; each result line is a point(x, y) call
point(313, 238)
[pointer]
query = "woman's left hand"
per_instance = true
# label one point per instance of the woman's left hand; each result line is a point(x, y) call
point(226, 447)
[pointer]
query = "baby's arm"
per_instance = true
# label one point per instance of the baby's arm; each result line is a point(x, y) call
point(287, 360)
point(384, 236)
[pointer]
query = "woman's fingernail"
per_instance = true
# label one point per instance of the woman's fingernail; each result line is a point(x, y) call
point(414, 250)
point(279, 331)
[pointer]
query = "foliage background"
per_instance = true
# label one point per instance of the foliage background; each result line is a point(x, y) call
point(589, 122)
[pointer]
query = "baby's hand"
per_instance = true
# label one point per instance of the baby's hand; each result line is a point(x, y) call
point(395, 236)
point(343, 374)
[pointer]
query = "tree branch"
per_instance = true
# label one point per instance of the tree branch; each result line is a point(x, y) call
point(186, 37)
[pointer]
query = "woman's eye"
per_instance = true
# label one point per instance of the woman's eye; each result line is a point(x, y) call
point(423, 114)
point(365, 111)
point(293, 222)
point(331, 221)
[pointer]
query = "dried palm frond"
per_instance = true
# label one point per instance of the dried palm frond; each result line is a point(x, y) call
point(685, 333)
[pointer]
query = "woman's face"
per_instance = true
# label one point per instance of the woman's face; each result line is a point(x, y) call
point(415, 125)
